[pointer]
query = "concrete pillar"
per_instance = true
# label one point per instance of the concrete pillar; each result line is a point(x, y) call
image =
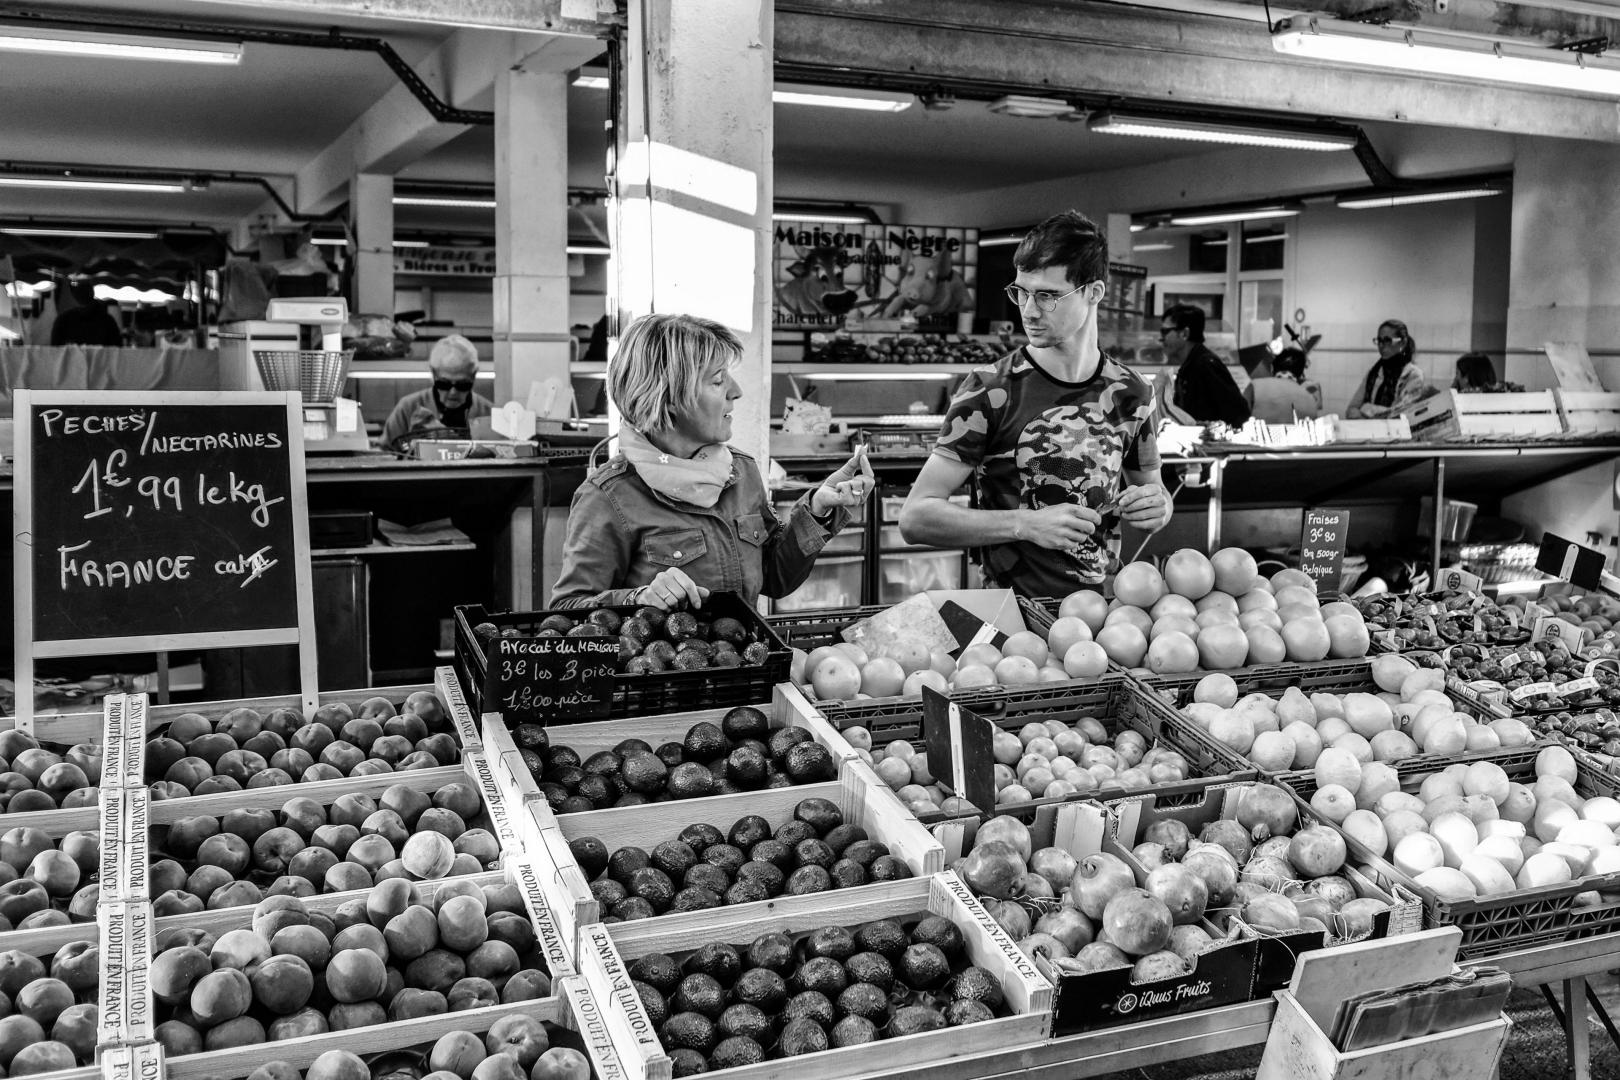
point(694, 187)
point(532, 343)
point(371, 217)
point(1119, 238)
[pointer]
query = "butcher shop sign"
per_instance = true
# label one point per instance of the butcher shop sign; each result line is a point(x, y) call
point(830, 276)
point(451, 261)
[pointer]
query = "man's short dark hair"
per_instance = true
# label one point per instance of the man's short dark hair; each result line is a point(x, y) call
point(1189, 320)
point(1070, 240)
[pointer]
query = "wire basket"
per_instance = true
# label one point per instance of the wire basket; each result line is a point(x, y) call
point(315, 374)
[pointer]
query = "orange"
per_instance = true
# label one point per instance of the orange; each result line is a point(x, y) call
point(1188, 573)
point(1235, 570)
point(882, 677)
point(1066, 632)
point(1086, 605)
point(1139, 584)
point(836, 677)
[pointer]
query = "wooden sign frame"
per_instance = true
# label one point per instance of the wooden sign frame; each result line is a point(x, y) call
point(302, 635)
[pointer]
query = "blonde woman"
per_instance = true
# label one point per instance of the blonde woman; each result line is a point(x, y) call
point(677, 513)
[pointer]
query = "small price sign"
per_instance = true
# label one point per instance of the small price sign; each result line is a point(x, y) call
point(961, 746)
point(551, 678)
point(1456, 579)
point(1321, 548)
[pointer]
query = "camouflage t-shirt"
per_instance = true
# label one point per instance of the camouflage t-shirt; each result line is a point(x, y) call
point(1034, 440)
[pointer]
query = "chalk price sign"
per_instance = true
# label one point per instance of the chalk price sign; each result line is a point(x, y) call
point(551, 678)
point(1321, 548)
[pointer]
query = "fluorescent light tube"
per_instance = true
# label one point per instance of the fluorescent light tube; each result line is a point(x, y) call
point(1120, 123)
point(1371, 202)
point(1028, 106)
point(1430, 52)
point(467, 202)
point(823, 218)
point(591, 79)
point(92, 234)
point(411, 244)
point(1222, 217)
point(1269, 238)
point(588, 249)
point(843, 97)
point(117, 46)
point(1001, 241)
point(77, 184)
point(1152, 247)
point(328, 241)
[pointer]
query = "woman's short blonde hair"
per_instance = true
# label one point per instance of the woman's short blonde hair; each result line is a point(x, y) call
point(655, 376)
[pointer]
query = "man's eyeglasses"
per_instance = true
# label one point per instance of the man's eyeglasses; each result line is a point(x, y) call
point(1164, 331)
point(1045, 300)
point(460, 386)
point(1385, 340)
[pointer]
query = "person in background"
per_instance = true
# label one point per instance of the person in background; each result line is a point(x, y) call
point(1059, 437)
point(1205, 389)
point(1284, 396)
point(451, 402)
point(677, 513)
point(1477, 375)
point(1395, 381)
point(86, 323)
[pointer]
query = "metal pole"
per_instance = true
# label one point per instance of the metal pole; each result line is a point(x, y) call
point(1217, 476)
point(1439, 516)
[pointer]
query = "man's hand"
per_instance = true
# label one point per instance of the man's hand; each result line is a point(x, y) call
point(1058, 528)
point(670, 589)
point(1145, 507)
point(848, 486)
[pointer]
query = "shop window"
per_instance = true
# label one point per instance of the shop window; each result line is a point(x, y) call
point(1263, 246)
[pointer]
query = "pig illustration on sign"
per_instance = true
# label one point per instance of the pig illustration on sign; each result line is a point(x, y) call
point(817, 285)
point(929, 286)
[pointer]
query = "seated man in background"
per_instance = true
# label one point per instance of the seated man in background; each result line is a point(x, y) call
point(88, 322)
point(450, 403)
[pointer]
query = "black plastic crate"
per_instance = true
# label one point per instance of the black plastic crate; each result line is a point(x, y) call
point(650, 694)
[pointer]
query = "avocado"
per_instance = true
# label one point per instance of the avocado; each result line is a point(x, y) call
point(695, 898)
point(806, 880)
point(884, 937)
point(840, 837)
point(653, 617)
point(761, 987)
point(772, 950)
point(606, 618)
point(725, 856)
point(704, 742)
point(695, 645)
point(938, 930)
point(747, 1020)
point(778, 780)
point(674, 858)
point(699, 993)
point(658, 971)
point(602, 763)
point(748, 831)
point(568, 776)
point(576, 804)
point(821, 815)
point(686, 1062)
point(632, 908)
point(958, 1013)
point(822, 974)
point(747, 768)
point(865, 852)
point(854, 1031)
point(661, 651)
point(700, 835)
point(598, 789)
point(531, 737)
point(810, 763)
point(671, 754)
point(626, 861)
point(555, 795)
point(560, 623)
point(811, 1005)
point(813, 853)
point(887, 868)
point(637, 627)
point(726, 787)
point(767, 874)
point(847, 874)
point(784, 739)
point(791, 832)
point(864, 999)
point(914, 1019)
point(689, 780)
point(923, 967)
point(745, 722)
point(688, 1031)
point(706, 876)
point(653, 886)
point(643, 772)
point(681, 625)
point(562, 757)
point(587, 629)
point(976, 984)
point(834, 941)
point(721, 962)
point(651, 1000)
point(802, 1036)
point(630, 798)
point(591, 854)
point(773, 851)
point(871, 967)
point(608, 892)
point(736, 1051)
point(535, 762)
point(746, 891)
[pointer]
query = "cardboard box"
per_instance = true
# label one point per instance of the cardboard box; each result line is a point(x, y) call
point(458, 449)
point(1449, 414)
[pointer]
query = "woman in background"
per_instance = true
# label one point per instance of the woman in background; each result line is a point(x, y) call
point(1395, 381)
point(1477, 375)
point(1284, 396)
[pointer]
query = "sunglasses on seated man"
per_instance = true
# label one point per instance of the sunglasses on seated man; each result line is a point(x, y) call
point(461, 386)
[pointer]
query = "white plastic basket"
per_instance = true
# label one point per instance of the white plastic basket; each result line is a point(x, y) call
point(316, 374)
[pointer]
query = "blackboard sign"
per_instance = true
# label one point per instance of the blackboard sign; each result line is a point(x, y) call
point(1569, 561)
point(551, 678)
point(159, 521)
point(1321, 548)
point(960, 749)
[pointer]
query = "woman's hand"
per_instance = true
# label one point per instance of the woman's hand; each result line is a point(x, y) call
point(849, 486)
point(670, 589)
point(1145, 507)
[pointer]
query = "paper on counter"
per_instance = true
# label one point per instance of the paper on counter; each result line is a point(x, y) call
point(424, 535)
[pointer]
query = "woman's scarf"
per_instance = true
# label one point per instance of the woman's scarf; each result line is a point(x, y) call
point(1389, 371)
point(697, 480)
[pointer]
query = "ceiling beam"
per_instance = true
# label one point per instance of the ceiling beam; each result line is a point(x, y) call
point(1109, 50)
point(589, 18)
point(1548, 22)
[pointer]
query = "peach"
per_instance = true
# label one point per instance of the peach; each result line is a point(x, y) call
point(461, 923)
point(411, 933)
point(347, 877)
point(30, 802)
point(412, 1004)
point(32, 763)
point(561, 1063)
point(266, 744)
point(220, 996)
point(428, 855)
point(75, 1028)
point(87, 756)
point(62, 778)
point(312, 739)
point(334, 715)
point(371, 852)
point(457, 1052)
point(43, 1000)
point(47, 917)
point(175, 971)
point(360, 734)
point(371, 767)
point(282, 984)
point(161, 754)
point(292, 884)
point(355, 975)
point(389, 900)
point(515, 930)
point(174, 937)
point(503, 896)
point(84, 848)
point(408, 726)
point(17, 970)
point(336, 838)
point(302, 815)
point(284, 722)
point(173, 902)
point(163, 875)
point(304, 942)
point(361, 936)
point(320, 771)
point(21, 898)
point(78, 964)
point(85, 796)
point(337, 1065)
point(310, 866)
point(446, 823)
point(391, 749)
point(42, 1057)
point(216, 785)
point(178, 1037)
point(165, 789)
point(529, 984)
point(496, 961)
point(407, 802)
point(299, 1024)
point(236, 894)
point(237, 1031)
point(239, 949)
point(274, 851)
point(270, 778)
point(356, 1014)
point(56, 871)
point(342, 756)
point(241, 724)
point(240, 765)
point(442, 746)
point(18, 1032)
point(417, 759)
point(189, 726)
point(272, 914)
point(19, 846)
point(460, 797)
point(454, 887)
point(425, 703)
point(522, 1036)
point(292, 761)
point(275, 1070)
point(437, 969)
point(230, 853)
point(210, 748)
point(472, 993)
point(387, 824)
point(206, 880)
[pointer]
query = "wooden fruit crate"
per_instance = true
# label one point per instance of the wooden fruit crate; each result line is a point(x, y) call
point(1450, 415)
point(863, 799)
point(1028, 994)
point(1589, 412)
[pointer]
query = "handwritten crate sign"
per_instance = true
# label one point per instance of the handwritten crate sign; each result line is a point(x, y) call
point(1321, 548)
point(551, 678)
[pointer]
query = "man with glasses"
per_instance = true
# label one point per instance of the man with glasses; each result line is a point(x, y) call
point(450, 402)
point(1205, 389)
point(1058, 437)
